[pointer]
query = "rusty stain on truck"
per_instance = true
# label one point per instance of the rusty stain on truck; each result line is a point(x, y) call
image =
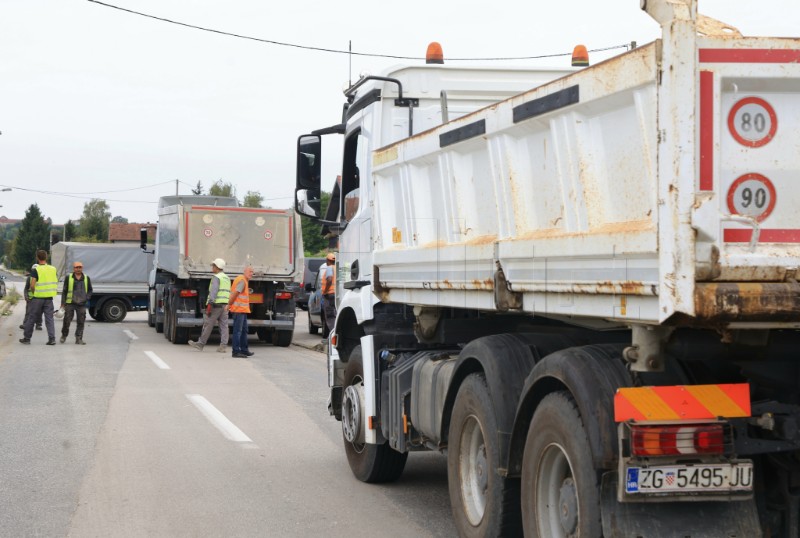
point(746, 301)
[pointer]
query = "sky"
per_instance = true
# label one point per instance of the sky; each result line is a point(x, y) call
point(100, 103)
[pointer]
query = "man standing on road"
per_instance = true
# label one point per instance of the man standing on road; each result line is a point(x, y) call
point(219, 291)
point(329, 290)
point(43, 288)
point(239, 305)
point(26, 293)
point(77, 292)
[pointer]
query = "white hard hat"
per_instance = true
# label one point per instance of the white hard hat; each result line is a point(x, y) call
point(220, 263)
point(34, 266)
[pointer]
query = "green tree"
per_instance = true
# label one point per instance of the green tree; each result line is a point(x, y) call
point(34, 234)
point(253, 199)
point(95, 220)
point(221, 188)
point(120, 219)
point(314, 244)
point(70, 231)
point(198, 190)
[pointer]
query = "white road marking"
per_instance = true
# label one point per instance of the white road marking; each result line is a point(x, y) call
point(157, 360)
point(220, 421)
point(130, 335)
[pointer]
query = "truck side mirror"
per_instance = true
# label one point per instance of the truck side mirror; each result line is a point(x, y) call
point(308, 183)
point(143, 239)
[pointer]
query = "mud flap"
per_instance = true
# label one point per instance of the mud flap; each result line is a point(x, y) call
point(709, 519)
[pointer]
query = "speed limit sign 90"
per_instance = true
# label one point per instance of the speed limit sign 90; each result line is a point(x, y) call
point(752, 122)
point(752, 195)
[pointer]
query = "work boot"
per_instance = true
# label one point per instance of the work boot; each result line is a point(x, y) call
point(197, 345)
point(79, 341)
point(39, 327)
point(22, 326)
point(24, 340)
point(63, 339)
point(51, 342)
point(222, 348)
point(248, 353)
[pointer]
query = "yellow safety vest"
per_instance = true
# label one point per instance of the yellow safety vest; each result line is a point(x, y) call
point(71, 285)
point(224, 292)
point(47, 283)
point(241, 304)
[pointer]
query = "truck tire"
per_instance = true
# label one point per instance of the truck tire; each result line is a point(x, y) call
point(369, 463)
point(560, 487)
point(95, 314)
point(114, 310)
point(483, 502)
point(167, 320)
point(282, 338)
point(264, 335)
point(151, 318)
point(312, 329)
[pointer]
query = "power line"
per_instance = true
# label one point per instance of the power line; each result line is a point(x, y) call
point(339, 51)
point(78, 195)
point(92, 192)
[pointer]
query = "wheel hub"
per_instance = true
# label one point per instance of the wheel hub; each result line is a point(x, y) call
point(352, 413)
point(568, 506)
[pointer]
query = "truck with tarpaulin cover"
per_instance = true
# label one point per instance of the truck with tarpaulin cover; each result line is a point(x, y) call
point(582, 291)
point(119, 275)
point(192, 231)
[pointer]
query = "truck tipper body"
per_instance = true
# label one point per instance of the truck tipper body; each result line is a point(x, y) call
point(584, 294)
point(119, 275)
point(195, 230)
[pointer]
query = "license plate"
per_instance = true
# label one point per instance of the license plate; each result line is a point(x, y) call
point(701, 478)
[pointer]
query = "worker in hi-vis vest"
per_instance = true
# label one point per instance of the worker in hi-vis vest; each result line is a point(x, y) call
point(44, 283)
point(74, 298)
point(219, 291)
point(329, 290)
point(239, 306)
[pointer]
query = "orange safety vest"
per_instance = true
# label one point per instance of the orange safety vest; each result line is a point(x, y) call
point(326, 289)
point(241, 304)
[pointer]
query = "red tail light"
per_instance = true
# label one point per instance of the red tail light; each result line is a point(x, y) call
point(283, 295)
point(677, 440)
point(188, 293)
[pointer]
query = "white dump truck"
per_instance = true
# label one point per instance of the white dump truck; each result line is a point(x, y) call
point(195, 230)
point(584, 294)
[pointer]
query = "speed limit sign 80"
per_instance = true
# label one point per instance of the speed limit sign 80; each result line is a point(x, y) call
point(752, 195)
point(752, 122)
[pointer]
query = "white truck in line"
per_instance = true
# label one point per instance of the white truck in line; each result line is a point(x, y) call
point(195, 230)
point(584, 294)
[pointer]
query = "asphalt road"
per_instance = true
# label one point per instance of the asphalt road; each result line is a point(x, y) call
point(133, 436)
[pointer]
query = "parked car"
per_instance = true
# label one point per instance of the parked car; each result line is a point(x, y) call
point(301, 296)
point(316, 317)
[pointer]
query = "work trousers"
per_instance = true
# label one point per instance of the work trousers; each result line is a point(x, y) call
point(329, 309)
point(239, 338)
point(218, 316)
point(40, 307)
point(79, 312)
point(28, 313)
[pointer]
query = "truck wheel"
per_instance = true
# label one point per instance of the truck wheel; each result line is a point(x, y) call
point(114, 310)
point(264, 335)
point(168, 321)
point(560, 487)
point(483, 502)
point(282, 338)
point(312, 329)
point(181, 335)
point(369, 463)
point(151, 318)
